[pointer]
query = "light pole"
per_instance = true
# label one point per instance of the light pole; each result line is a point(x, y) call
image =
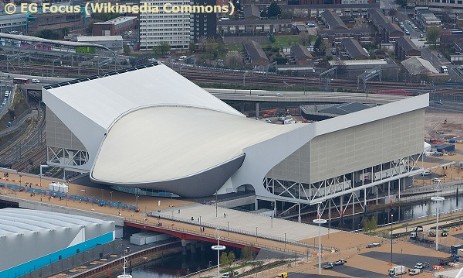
point(216, 203)
point(40, 176)
point(319, 221)
point(392, 217)
point(244, 78)
point(285, 240)
point(437, 199)
point(111, 193)
point(219, 248)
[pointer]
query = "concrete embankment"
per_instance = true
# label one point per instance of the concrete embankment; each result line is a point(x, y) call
point(137, 258)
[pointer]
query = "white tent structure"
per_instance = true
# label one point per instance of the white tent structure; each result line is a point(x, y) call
point(31, 239)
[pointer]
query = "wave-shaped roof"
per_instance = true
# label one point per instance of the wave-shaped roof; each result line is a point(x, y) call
point(172, 142)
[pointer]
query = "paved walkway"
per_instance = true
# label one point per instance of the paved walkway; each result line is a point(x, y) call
point(243, 222)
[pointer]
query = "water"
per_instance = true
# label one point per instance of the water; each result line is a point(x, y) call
point(178, 265)
point(415, 211)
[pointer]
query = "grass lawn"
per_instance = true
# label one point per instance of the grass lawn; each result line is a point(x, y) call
point(283, 41)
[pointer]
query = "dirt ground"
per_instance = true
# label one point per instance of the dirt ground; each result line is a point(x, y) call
point(440, 125)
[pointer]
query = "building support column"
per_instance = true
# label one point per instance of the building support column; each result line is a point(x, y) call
point(399, 189)
point(299, 214)
point(257, 109)
point(364, 200)
point(184, 246)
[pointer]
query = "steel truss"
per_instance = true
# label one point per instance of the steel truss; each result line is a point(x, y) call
point(62, 157)
point(351, 190)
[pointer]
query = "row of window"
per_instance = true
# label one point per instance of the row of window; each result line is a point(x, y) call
point(13, 23)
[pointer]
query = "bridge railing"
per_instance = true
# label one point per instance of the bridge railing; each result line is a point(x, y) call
point(224, 237)
point(65, 195)
point(238, 231)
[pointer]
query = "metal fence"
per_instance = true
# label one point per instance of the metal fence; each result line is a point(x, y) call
point(63, 195)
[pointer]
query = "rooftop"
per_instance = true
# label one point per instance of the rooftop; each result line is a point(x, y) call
point(118, 20)
point(354, 49)
point(417, 66)
point(333, 20)
point(98, 38)
point(16, 221)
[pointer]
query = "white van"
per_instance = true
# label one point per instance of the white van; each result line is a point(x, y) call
point(444, 69)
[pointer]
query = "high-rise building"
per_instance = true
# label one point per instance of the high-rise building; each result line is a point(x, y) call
point(203, 25)
point(165, 25)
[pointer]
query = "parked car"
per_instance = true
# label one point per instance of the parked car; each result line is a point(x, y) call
point(327, 265)
point(414, 271)
point(373, 245)
point(419, 265)
point(340, 262)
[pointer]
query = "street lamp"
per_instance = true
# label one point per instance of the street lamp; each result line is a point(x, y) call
point(392, 220)
point(285, 241)
point(437, 199)
point(319, 221)
point(40, 176)
point(219, 248)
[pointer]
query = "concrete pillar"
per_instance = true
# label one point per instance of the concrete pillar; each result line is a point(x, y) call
point(257, 109)
point(256, 204)
point(341, 205)
point(364, 200)
point(193, 248)
point(184, 246)
point(399, 189)
point(299, 213)
point(201, 246)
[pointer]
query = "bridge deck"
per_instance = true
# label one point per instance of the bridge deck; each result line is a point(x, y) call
point(237, 228)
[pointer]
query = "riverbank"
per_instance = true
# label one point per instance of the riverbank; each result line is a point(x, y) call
point(114, 265)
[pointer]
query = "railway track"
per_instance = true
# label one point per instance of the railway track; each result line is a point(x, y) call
point(205, 76)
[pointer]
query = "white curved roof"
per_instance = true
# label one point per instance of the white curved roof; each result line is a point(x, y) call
point(172, 142)
point(15, 221)
point(103, 100)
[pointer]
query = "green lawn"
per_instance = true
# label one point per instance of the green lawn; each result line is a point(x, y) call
point(285, 40)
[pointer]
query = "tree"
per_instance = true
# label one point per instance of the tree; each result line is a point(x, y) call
point(305, 39)
point(317, 44)
point(432, 34)
point(247, 253)
point(162, 49)
point(127, 50)
point(49, 34)
point(402, 3)
point(233, 60)
point(227, 259)
point(370, 224)
point(273, 10)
